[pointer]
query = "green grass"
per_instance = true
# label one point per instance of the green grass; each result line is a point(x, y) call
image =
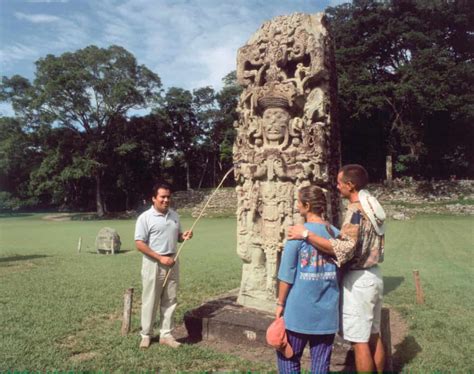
point(462, 201)
point(60, 310)
point(440, 331)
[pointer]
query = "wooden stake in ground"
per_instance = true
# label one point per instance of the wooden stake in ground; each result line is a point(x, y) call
point(388, 170)
point(79, 245)
point(127, 311)
point(420, 296)
point(386, 335)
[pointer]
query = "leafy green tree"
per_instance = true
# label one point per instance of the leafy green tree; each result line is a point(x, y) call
point(178, 113)
point(63, 175)
point(18, 157)
point(206, 110)
point(224, 131)
point(403, 68)
point(83, 91)
point(136, 149)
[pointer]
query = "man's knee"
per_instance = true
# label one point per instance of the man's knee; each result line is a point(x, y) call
point(360, 347)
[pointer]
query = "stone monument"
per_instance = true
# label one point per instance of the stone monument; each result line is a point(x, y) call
point(287, 137)
point(107, 241)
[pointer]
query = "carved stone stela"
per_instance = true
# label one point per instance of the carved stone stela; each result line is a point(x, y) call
point(287, 137)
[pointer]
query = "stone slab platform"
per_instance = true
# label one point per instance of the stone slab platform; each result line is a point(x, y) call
point(223, 319)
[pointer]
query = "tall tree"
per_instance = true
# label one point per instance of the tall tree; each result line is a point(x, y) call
point(136, 149)
point(83, 91)
point(224, 131)
point(178, 112)
point(18, 157)
point(403, 67)
point(205, 107)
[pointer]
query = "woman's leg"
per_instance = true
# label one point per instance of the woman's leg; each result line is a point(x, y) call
point(292, 364)
point(321, 349)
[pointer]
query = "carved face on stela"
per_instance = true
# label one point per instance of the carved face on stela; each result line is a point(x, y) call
point(275, 122)
point(275, 125)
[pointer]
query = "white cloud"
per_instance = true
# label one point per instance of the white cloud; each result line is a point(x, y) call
point(16, 52)
point(37, 18)
point(217, 63)
point(189, 44)
point(335, 3)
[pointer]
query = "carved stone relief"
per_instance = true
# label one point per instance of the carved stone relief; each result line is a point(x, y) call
point(287, 137)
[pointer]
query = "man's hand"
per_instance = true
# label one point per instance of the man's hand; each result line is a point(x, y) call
point(166, 260)
point(279, 311)
point(295, 232)
point(187, 235)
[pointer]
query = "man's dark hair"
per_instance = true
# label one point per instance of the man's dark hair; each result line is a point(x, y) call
point(356, 174)
point(160, 184)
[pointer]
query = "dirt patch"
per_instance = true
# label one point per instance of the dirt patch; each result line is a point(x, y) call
point(398, 328)
point(69, 342)
point(85, 356)
point(16, 267)
point(58, 217)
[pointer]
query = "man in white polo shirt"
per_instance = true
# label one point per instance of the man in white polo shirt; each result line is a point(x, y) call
point(157, 233)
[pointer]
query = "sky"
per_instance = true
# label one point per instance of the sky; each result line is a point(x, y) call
point(188, 43)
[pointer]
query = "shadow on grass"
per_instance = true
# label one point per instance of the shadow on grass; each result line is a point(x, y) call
point(391, 283)
point(405, 352)
point(20, 258)
point(107, 217)
point(103, 253)
point(14, 215)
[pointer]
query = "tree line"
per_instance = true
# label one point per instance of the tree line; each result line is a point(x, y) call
point(78, 139)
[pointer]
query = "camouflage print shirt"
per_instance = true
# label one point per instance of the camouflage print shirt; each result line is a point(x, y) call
point(358, 245)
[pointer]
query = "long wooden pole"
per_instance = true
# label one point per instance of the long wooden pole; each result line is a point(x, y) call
point(195, 222)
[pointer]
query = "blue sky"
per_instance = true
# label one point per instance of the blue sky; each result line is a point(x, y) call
point(188, 43)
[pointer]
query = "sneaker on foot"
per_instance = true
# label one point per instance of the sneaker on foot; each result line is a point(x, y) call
point(171, 342)
point(145, 343)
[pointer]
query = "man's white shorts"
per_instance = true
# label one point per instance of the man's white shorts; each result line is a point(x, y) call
point(361, 304)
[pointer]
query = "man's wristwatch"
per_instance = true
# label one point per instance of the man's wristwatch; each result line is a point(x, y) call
point(305, 234)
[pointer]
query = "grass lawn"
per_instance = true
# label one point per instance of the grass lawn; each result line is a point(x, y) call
point(60, 310)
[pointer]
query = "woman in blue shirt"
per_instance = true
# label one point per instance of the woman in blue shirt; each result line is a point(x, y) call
point(308, 292)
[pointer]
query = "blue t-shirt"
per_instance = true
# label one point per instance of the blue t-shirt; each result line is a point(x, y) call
point(312, 305)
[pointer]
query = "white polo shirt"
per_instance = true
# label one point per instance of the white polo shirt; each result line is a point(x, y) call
point(159, 231)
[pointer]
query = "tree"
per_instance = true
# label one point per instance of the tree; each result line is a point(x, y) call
point(402, 69)
point(136, 149)
point(63, 174)
point(83, 91)
point(178, 112)
point(224, 131)
point(18, 157)
point(205, 107)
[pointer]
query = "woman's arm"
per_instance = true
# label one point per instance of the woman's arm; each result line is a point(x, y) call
point(283, 289)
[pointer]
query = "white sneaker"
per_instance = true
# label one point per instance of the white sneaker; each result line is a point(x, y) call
point(171, 342)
